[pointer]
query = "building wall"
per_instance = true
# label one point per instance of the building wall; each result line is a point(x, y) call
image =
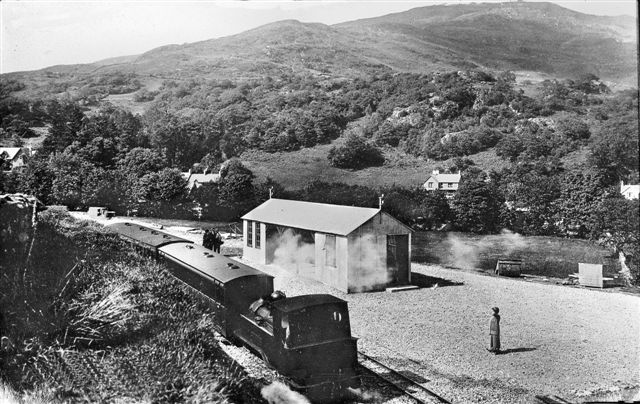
point(335, 276)
point(434, 184)
point(367, 253)
point(252, 253)
point(360, 258)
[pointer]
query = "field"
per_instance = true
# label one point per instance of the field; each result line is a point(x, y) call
point(543, 256)
point(296, 169)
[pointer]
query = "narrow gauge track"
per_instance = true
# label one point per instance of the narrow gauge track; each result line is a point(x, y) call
point(409, 387)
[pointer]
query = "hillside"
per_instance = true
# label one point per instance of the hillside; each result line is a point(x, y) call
point(517, 36)
point(540, 37)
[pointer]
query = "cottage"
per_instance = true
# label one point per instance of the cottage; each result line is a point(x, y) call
point(196, 180)
point(443, 182)
point(15, 156)
point(350, 248)
point(630, 191)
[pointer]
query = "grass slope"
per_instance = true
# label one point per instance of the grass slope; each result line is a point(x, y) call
point(294, 170)
point(88, 319)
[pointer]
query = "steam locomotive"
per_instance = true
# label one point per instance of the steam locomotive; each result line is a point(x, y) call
point(305, 338)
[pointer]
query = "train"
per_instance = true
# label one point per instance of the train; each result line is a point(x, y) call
point(307, 338)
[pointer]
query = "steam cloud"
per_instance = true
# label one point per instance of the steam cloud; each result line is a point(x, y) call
point(292, 252)
point(467, 253)
point(366, 258)
point(279, 393)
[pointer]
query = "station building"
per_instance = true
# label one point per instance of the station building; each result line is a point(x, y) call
point(352, 249)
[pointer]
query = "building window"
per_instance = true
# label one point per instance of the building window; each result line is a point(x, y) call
point(450, 185)
point(440, 185)
point(430, 185)
point(249, 233)
point(330, 250)
point(257, 234)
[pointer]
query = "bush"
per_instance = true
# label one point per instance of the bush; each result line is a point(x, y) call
point(356, 153)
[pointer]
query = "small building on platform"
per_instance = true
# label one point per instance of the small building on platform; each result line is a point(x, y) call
point(352, 249)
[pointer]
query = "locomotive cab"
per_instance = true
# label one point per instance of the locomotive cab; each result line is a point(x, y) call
point(315, 342)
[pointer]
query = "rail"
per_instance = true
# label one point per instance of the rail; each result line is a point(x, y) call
point(406, 385)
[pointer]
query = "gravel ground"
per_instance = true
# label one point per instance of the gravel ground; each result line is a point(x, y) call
point(558, 340)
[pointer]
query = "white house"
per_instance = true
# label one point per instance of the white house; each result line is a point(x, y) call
point(17, 156)
point(352, 249)
point(630, 191)
point(443, 182)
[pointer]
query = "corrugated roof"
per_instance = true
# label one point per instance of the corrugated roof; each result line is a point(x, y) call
point(321, 217)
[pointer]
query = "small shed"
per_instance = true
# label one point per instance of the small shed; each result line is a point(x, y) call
point(97, 212)
point(591, 275)
point(350, 248)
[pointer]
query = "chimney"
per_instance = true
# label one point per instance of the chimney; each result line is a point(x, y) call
point(380, 201)
point(436, 172)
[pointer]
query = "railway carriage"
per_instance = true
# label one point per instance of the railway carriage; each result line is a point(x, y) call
point(145, 239)
point(230, 285)
point(306, 338)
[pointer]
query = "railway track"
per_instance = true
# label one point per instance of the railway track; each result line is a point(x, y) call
point(406, 385)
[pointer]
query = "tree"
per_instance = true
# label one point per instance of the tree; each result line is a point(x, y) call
point(355, 153)
point(237, 193)
point(234, 167)
point(615, 147)
point(37, 179)
point(66, 121)
point(573, 129)
point(531, 196)
point(71, 172)
point(435, 210)
point(166, 185)
point(140, 162)
point(580, 194)
point(477, 206)
point(616, 223)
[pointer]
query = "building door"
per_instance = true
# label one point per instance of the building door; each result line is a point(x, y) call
point(398, 258)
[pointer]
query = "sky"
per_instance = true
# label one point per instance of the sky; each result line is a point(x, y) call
point(40, 33)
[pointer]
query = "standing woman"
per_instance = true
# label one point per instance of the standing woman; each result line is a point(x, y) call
point(494, 330)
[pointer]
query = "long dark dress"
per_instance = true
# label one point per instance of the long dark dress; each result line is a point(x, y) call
point(494, 330)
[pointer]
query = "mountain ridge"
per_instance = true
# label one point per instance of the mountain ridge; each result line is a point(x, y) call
point(542, 37)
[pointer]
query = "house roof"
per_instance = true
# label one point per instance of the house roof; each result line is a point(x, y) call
point(12, 152)
point(322, 217)
point(629, 189)
point(201, 178)
point(446, 177)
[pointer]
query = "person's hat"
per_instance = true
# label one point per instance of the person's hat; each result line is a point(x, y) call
point(495, 309)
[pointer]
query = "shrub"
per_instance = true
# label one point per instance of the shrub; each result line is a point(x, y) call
point(356, 153)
